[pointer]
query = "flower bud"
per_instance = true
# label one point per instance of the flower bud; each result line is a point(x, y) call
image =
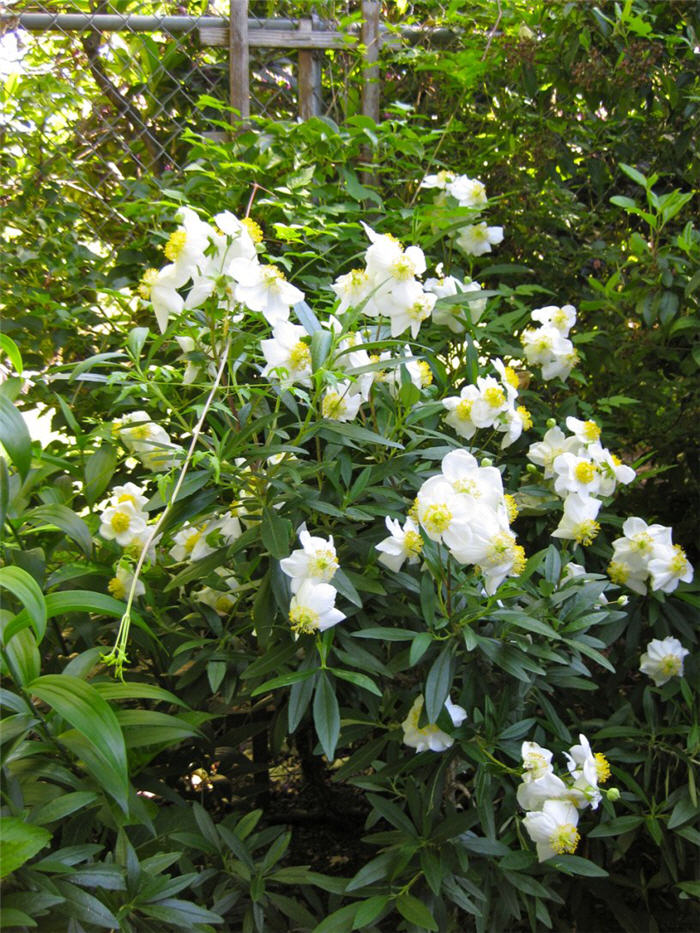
point(613, 794)
point(531, 468)
point(486, 462)
point(551, 423)
point(622, 600)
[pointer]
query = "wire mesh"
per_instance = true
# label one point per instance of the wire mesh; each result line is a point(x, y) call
point(86, 113)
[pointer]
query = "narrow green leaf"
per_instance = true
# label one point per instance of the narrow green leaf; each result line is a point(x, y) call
point(321, 343)
point(415, 911)
point(28, 592)
point(284, 680)
point(82, 706)
point(14, 436)
point(438, 683)
point(66, 520)
point(276, 532)
point(99, 469)
point(360, 680)
point(383, 633)
point(62, 806)
point(58, 604)
point(326, 716)
point(12, 350)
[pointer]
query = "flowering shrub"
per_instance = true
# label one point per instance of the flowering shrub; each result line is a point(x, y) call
point(426, 665)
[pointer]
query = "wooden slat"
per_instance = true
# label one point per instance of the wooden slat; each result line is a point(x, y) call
point(238, 67)
point(370, 70)
point(309, 77)
point(280, 38)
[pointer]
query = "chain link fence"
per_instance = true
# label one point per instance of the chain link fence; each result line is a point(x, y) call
point(97, 96)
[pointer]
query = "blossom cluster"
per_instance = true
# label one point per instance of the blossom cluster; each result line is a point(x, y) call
point(553, 803)
point(582, 472)
point(474, 239)
point(646, 554)
point(464, 508)
point(310, 569)
point(548, 345)
point(491, 403)
point(147, 441)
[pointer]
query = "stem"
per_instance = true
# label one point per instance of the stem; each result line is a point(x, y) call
point(117, 656)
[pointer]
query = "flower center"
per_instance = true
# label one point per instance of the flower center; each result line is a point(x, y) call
point(117, 588)
point(175, 245)
point(120, 522)
point(495, 396)
point(586, 531)
point(468, 487)
point(300, 356)
point(643, 542)
point(333, 405)
point(126, 497)
point(437, 518)
point(591, 431)
point(511, 507)
point(273, 276)
point(543, 343)
point(671, 665)
point(426, 373)
point(679, 562)
point(413, 543)
point(324, 564)
point(464, 409)
point(564, 839)
point(602, 767)
point(304, 620)
point(147, 281)
point(512, 377)
point(253, 229)
point(142, 431)
point(584, 472)
point(525, 417)
point(559, 318)
point(419, 310)
point(403, 269)
point(618, 572)
point(191, 540)
point(223, 602)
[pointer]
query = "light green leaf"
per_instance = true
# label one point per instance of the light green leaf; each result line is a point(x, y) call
point(14, 436)
point(12, 350)
point(19, 841)
point(326, 716)
point(415, 911)
point(28, 592)
point(65, 519)
point(99, 469)
point(82, 706)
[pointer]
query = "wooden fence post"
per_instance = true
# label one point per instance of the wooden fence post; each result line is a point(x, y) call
point(309, 77)
point(238, 68)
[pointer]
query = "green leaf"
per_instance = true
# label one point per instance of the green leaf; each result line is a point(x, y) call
point(326, 716)
point(99, 469)
point(340, 921)
point(622, 824)
point(19, 841)
point(360, 680)
point(82, 706)
point(284, 680)
point(86, 907)
point(419, 646)
point(383, 633)
point(276, 532)
point(28, 592)
point(633, 174)
point(438, 683)
point(355, 432)
point(415, 911)
point(369, 910)
point(65, 519)
point(575, 865)
point(58, 604)
point(14, 436)
point(12, 350)
point(62, 806)
point(321, 343)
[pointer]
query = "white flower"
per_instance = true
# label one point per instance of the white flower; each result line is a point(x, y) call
point(460, 411)
point(442, 512)
point(122, 522)
point(402, 544)
point(451, 314)
point(129, 492)
point(562, 318)
point(288, 355)
point(229, 526)
point(388, 262)
point(488, 543)
point(190, 543)
point(138, 542)
point(120, 584)
point(147, 441)
point(477, 239)
point(341, 403)
point(544, 452)
point(663, 660)
point(668, 566)
point(312, 608)
point(462, 471)
point(429, 737)
point(553, 828)
point(611, 469)
point(578, 523)
point(586, 432)
point(316, 560)
point(264, 289)
point(440, 180)
point(587, 770)
point(160, 287)
point(537, 760)
point(353, 289)
point(534, 792)
point(634, 552)
point(221, 601)
point(409, 307)
point(575, 474)
point(468, 192)
point(185, 248)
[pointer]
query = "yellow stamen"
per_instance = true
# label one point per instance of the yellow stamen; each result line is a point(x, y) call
point(304, 620)
point(117, 588)
point(511, 507)
point(413, 543)
point(586, 531)
point(584, 472)
point(120, 522)
point(525, 417)
point(436, 518)
point(602, 767)
point(495, 396)
point(175, 245)
point(253, 229)
point(564, 839)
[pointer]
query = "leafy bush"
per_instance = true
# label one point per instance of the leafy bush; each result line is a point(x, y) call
point(219, 432)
